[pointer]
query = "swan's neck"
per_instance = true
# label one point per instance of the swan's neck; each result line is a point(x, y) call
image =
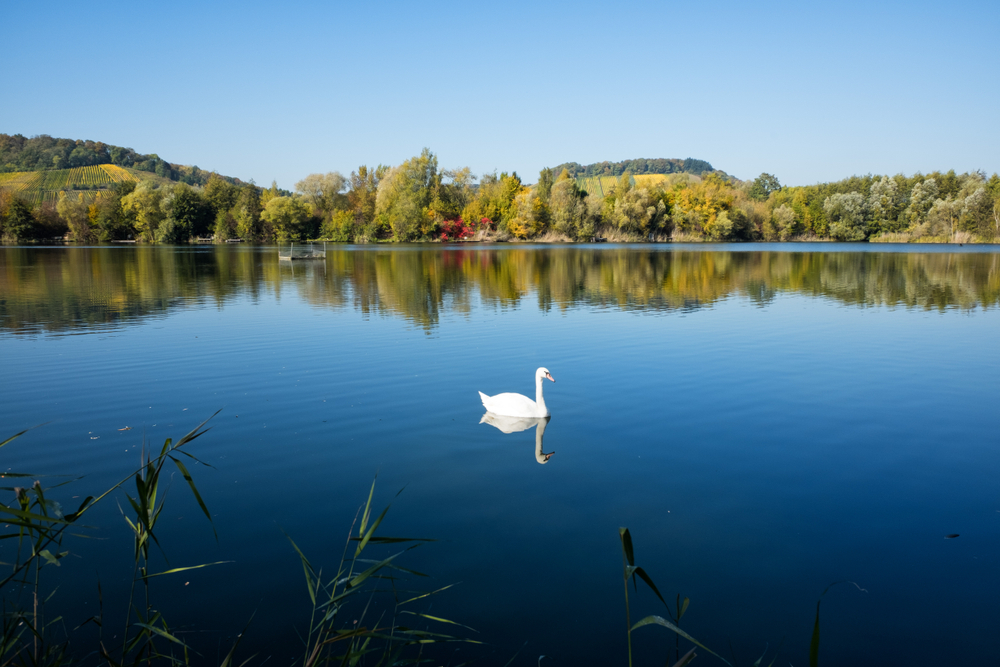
point(539, 399)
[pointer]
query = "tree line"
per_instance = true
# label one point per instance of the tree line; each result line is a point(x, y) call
point(418, 201)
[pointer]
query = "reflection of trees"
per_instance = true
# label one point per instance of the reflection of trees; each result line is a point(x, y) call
point(62, 289)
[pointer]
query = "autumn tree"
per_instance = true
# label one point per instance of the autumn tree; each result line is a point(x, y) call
point(361, 200)
point(494, 200)
point(568, 208)
point(402, 203)
point(144, 204)
point(75, 212)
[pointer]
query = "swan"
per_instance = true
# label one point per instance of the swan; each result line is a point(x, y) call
point(517, 405)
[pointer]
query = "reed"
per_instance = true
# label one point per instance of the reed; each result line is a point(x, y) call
point(384, 634)
point(630, 571)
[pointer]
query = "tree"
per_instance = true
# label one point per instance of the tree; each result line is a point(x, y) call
point(361, 199)
point(568, 208)
point(763, 186)
point(113, 222)
point(545, 182)
point(884, 205)
point(494, 200)
point(287, 217)
point(697, 205)
point(75, 212)
point(846, 213)
point(187, 214)
point(220, 194)
point(402, 203)
point(324, 191)
point(339, 227)
point(784, 221)
point(144, 204)
point(452, 194)
point(247, 214)
point(922, 197)
point(530, 215)
point(942, 216)
point(976, 215)
point(16, 220)
point(637, 211)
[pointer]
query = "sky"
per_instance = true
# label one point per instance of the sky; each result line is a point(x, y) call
point(275, 91)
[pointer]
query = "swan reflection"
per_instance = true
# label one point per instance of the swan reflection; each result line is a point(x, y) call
point(516, 424)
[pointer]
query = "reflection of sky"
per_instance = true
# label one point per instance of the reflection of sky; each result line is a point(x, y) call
point(756, 452)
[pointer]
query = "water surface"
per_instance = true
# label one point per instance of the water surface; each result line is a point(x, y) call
point(766, 420)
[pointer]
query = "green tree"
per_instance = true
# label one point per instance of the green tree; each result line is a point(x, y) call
point(288, 217)
point(884, 205)
point(785, 222)
point(187, 214)
point(546, 179)
point(114, 222)
point(16, 221)
point(247, 212)
point(976, 215)
point(637, 211)
point(846, 213)
point(361, 199)
point(220, 194)
point(763, 186)
point(922, 197)
point(568, 209)
point(339, 227)
point(404, 197)
point(144, 204)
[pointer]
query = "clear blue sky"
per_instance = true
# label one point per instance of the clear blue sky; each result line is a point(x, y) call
point(280, 90)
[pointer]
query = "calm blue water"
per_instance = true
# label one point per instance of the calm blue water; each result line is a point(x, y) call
point(766, 420)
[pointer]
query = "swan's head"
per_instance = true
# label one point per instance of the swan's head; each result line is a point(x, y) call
point(544, 373)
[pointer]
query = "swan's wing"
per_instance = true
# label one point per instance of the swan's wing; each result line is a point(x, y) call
point(515, 405)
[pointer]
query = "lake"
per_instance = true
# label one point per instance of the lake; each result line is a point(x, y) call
point(765, 419)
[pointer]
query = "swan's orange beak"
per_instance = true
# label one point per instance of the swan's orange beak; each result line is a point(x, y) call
point(549, 376)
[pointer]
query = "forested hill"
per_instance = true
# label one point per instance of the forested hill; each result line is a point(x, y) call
point(639, 166)
point(44, 153)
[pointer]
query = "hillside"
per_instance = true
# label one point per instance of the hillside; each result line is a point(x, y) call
point(42, 153)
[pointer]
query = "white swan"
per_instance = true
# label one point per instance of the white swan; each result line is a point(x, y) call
point(517, 405)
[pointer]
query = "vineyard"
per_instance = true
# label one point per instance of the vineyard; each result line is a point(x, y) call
point(38, 187)
point(600, 185)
